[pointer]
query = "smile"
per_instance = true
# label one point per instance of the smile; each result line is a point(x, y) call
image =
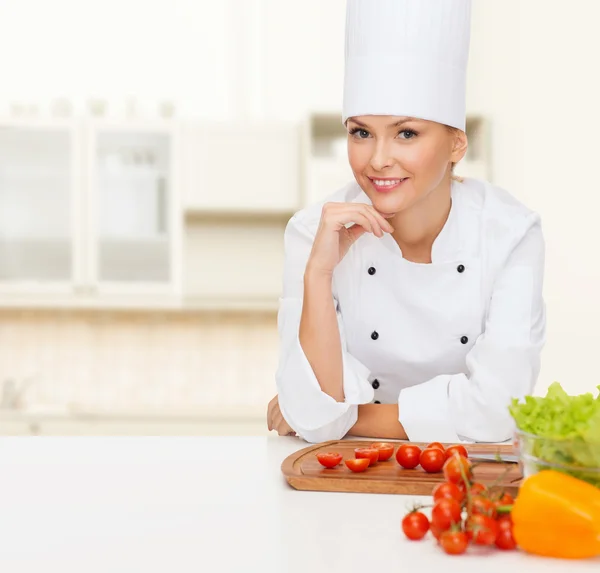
point(385, 185)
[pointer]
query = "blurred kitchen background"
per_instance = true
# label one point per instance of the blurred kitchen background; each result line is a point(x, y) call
point(151, 153)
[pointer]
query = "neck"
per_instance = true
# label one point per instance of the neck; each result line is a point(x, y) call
point(416, 229)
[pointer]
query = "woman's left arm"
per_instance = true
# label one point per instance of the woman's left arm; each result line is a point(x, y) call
point(503, 364)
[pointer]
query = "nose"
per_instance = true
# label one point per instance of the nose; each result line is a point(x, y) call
point(381, 158)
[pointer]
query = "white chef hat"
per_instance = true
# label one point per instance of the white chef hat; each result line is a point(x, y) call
point(407, 58)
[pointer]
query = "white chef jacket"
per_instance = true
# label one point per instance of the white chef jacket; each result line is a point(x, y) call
point(451, 341)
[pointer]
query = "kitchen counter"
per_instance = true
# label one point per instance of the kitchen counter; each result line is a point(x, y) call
point(214, 504)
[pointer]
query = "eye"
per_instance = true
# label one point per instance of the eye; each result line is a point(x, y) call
point(359, 133)
point(410, 134)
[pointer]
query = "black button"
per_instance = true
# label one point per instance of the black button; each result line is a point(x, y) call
point(374, 335)
point(464, 339)
point(460, 268)
point(372, 270)
point(375, 384)
point(377, 402)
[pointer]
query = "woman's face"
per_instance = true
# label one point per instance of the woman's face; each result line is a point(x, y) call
point(398, 161)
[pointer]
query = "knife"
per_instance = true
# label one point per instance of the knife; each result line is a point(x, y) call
point(500, 458)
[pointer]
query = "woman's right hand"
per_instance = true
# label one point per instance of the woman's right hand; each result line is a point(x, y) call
point(334, 239)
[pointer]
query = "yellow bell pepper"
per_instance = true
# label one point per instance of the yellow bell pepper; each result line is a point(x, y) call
point(557, 515)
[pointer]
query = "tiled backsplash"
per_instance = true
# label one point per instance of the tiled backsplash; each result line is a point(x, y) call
point(142, 361)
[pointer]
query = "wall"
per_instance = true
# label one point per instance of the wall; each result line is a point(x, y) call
point(559, 131)
point(150, 362)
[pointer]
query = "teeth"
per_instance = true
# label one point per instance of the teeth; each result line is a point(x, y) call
point(387, 183)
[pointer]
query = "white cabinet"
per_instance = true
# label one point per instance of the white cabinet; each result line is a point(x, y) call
point(134, 224)
point(234, 262)
point(326, 150)
point(39, 201)
point(241, 167)
point(88, 212)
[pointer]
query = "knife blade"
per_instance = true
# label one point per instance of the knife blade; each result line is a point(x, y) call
point(499, 458)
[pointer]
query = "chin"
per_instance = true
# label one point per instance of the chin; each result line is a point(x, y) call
point(389, 203)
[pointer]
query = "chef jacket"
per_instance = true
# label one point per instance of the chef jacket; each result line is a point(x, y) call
point(451, 341)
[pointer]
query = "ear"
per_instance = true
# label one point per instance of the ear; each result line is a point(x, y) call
point(459, 145)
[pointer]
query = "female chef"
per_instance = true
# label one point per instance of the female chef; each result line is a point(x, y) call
point(412, 301)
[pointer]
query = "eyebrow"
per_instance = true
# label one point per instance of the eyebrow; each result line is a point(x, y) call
point(396, 124)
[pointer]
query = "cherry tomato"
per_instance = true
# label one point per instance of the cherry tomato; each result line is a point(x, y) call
point(408, 456)
point(460, 450)
point(432, 460)
point(386, 451)
point(436, 445)
point(482, 530)
point(359, 465)
point(483, 506)
point(506, 499)
point(505, 538)
point(415, 525)
point(445, 512)
point(478, 488)
point(454, 542)
point(449, 490)
point(370, 454)
point(502, 502)
point(436, 531)
point(329, 459)
point(456, 467)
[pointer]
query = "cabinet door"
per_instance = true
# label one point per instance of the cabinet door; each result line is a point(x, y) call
point(133, 229)
point(325, 177)
point(39, 193)
point(242, 167)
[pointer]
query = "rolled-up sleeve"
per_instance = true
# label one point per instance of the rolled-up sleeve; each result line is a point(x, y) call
point(503, 364)
point(314, 415)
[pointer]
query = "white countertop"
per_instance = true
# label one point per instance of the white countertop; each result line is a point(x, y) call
point(210, 505)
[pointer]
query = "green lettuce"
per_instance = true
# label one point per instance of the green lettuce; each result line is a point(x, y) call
point(565, 429)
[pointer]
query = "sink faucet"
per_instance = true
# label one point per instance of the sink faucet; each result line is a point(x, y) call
point(13, 392)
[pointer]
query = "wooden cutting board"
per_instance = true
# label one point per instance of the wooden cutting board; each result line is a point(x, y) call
point(304, 472)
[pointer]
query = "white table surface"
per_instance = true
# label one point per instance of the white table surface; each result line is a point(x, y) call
point(207, 505)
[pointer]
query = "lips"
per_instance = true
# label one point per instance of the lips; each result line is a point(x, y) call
point(386, 185)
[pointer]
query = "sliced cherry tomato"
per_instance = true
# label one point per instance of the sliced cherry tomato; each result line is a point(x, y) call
point(454, 542)
point(359, 465)
point(478, 489)
point(456, 467)
point(370, 454)
point(329, 459)
point(436, 445)
point(448, 490)
point(408, 456)
point(482, 530)
point(505, 538)
point(445, 512)
point(432, 460)
point(483, 506)
point(386, 451)
point(461, 450)
point(415, 525)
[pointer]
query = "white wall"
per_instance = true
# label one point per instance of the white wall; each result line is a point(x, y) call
point(560, 92)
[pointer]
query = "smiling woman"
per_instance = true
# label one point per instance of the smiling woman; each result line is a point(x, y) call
point(412, 300)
